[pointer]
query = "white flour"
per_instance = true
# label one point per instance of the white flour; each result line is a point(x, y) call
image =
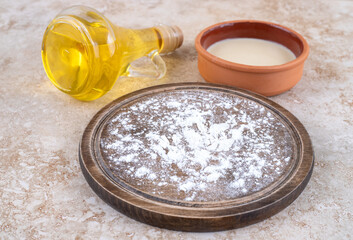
point(197, 146)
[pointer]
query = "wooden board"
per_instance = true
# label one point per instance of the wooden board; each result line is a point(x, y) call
point(179, 192)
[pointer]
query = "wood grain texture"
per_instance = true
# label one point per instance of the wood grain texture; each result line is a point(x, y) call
point(196, 216)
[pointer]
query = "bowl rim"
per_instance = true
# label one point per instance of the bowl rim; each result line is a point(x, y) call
point(251, 68)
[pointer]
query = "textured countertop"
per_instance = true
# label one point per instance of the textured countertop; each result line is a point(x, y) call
point(43, 194)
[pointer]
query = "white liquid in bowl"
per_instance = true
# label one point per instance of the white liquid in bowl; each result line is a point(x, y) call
point(251, 51)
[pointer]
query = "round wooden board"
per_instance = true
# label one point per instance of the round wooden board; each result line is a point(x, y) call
point(195, 216)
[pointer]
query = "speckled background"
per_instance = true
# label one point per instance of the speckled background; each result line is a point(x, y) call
point(43, 194)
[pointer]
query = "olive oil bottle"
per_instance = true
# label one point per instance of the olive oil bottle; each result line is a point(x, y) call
point(84, 53)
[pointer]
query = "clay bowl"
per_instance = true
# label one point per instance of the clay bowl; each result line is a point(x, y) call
point(266, 80)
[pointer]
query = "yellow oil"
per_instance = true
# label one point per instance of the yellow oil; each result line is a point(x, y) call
point(83, 55)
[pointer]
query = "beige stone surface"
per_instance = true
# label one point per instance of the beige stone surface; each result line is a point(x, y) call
point(43, 194)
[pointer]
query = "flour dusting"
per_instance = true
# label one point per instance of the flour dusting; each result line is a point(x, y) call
point(194, 145)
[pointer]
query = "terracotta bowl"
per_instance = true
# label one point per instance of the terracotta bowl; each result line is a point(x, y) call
point(266, 80)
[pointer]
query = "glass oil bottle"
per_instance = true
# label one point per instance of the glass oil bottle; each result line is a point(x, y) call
point(84, 53)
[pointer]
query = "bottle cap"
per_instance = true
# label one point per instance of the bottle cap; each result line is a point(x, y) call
point(172, 37)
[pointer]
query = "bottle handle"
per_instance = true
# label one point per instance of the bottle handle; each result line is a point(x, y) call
point(158, 67)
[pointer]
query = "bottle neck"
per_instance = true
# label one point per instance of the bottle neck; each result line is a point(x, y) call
point(140, 42)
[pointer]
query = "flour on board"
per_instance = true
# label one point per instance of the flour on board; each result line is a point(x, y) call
point(195, 145)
